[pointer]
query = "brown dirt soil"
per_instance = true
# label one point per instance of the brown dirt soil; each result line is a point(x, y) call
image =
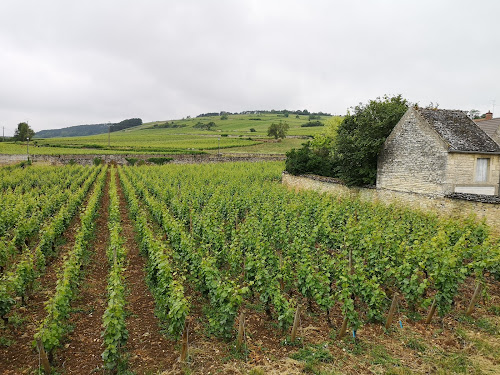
point(20, 357)
point(82, 352)
point(148, 349)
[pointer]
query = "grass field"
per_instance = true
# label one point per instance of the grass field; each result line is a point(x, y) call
point(233, 135)
point(241, 125)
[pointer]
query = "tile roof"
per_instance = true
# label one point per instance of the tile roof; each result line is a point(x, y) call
point(459, 131)
point(491, 127)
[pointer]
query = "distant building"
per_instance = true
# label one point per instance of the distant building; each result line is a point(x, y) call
point(439, 152)
point(490, 125)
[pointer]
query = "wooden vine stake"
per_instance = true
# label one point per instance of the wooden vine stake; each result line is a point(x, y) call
point(391, 311)
point(241, 331)
point(343, 329)
point(184, 347)
point(475, 296)
point(282, 283)
point(190, 220)
point(351, 269)
point(295, 323)
point(431, 312)
point(43, 356)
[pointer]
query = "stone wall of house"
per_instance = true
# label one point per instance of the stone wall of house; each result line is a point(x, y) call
point(442, 206)
point(413, 159)
point(461, 174)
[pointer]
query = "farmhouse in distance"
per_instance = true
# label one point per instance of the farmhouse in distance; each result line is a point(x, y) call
point(439, 152)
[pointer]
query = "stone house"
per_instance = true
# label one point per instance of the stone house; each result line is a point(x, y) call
point(437, 153)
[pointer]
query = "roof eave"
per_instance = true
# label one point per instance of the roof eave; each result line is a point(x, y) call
point(474, 152)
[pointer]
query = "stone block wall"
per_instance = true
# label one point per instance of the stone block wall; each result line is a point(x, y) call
point(121, 159)
point(413, 159)
point(445, 207)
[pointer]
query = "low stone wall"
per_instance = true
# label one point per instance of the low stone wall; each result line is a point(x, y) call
point(446, 207)
point(121, 159)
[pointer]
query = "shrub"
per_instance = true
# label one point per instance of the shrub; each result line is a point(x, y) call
point(132, 161)
point(97, 161)
point(306, 160)
point(311, 124)
point(160, 160)
point(252, 130)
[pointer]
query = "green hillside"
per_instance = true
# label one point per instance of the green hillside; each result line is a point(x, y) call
point(84, 130)
point(237, 133)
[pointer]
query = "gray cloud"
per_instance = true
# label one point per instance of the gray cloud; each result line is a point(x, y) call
point(65, 63)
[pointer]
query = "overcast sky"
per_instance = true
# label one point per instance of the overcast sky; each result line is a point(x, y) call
point(66, 62)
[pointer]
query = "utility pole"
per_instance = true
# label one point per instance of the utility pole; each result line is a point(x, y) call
point(28, 147)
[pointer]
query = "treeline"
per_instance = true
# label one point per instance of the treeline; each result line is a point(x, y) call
point(125, 124)
point(284, 112)
point(92, 129)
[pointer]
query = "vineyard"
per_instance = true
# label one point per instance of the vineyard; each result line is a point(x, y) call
point(218, 268)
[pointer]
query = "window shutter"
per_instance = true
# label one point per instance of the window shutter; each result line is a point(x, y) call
point(482, 165)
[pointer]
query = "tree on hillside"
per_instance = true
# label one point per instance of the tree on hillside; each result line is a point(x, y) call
point(361, 135)
point(23, 131)
point(202, 125)
point(278, 130)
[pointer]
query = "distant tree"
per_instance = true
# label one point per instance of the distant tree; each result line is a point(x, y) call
point(278, 130)
point(23, 131)
point(297, 116)
point(473, 114)
point(208, 126)
point(314, 116)
point(224, 116)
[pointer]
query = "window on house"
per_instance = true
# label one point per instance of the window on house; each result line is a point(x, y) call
point(482, 169)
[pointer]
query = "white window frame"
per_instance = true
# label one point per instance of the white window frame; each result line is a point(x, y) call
point(482, 170)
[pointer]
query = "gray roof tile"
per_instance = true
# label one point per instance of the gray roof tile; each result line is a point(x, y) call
point(491, 127)
point(459, 131)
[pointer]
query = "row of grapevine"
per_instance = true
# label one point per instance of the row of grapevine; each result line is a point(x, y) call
point(19, 280)
point(327, 250)
point(24, 200)
point(172, 307)
point(224, 294)
point(115, 332)
point(30, 179)
point(30, 222)
point(55, 325)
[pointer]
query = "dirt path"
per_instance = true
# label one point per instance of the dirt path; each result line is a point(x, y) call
point(82, 353)
point(20, 357)
point(149, 351)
